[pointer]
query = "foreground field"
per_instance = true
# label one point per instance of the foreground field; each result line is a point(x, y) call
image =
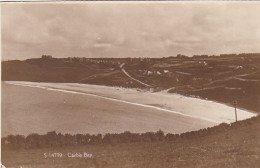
point(236, 147)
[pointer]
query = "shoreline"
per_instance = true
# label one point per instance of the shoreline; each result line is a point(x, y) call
point(113, 99)
point(197, 108)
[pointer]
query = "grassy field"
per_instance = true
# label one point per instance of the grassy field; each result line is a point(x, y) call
point(235, 148)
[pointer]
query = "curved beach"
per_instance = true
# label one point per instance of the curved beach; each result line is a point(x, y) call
point(125, 109)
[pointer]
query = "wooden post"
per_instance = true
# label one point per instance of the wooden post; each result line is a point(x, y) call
point(235, 104)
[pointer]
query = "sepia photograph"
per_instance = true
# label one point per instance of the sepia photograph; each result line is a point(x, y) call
point(130, 84)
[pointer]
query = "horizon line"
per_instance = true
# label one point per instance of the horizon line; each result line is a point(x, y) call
point(176, 56)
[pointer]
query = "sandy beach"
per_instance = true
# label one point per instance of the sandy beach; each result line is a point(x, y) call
point(174, 103)
point(27, 110)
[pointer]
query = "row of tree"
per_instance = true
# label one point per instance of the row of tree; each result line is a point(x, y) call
point(52, 139)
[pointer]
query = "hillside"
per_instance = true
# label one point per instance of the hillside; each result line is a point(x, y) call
point(236, 77)
point(235, 145)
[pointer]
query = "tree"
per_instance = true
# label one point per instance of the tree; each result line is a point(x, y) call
point(160, 135)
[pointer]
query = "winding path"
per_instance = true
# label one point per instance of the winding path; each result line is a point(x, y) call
point(124, 71)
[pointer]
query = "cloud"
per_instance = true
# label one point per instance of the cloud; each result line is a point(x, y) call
point(128, 29)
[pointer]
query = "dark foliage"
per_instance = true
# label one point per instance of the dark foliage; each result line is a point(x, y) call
point(52, 139)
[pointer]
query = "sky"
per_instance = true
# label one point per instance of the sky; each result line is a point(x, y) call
point(128, 29)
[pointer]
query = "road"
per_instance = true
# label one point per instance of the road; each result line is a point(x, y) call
point(127, 74)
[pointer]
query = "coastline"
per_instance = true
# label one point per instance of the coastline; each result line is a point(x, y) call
point(186, 106)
